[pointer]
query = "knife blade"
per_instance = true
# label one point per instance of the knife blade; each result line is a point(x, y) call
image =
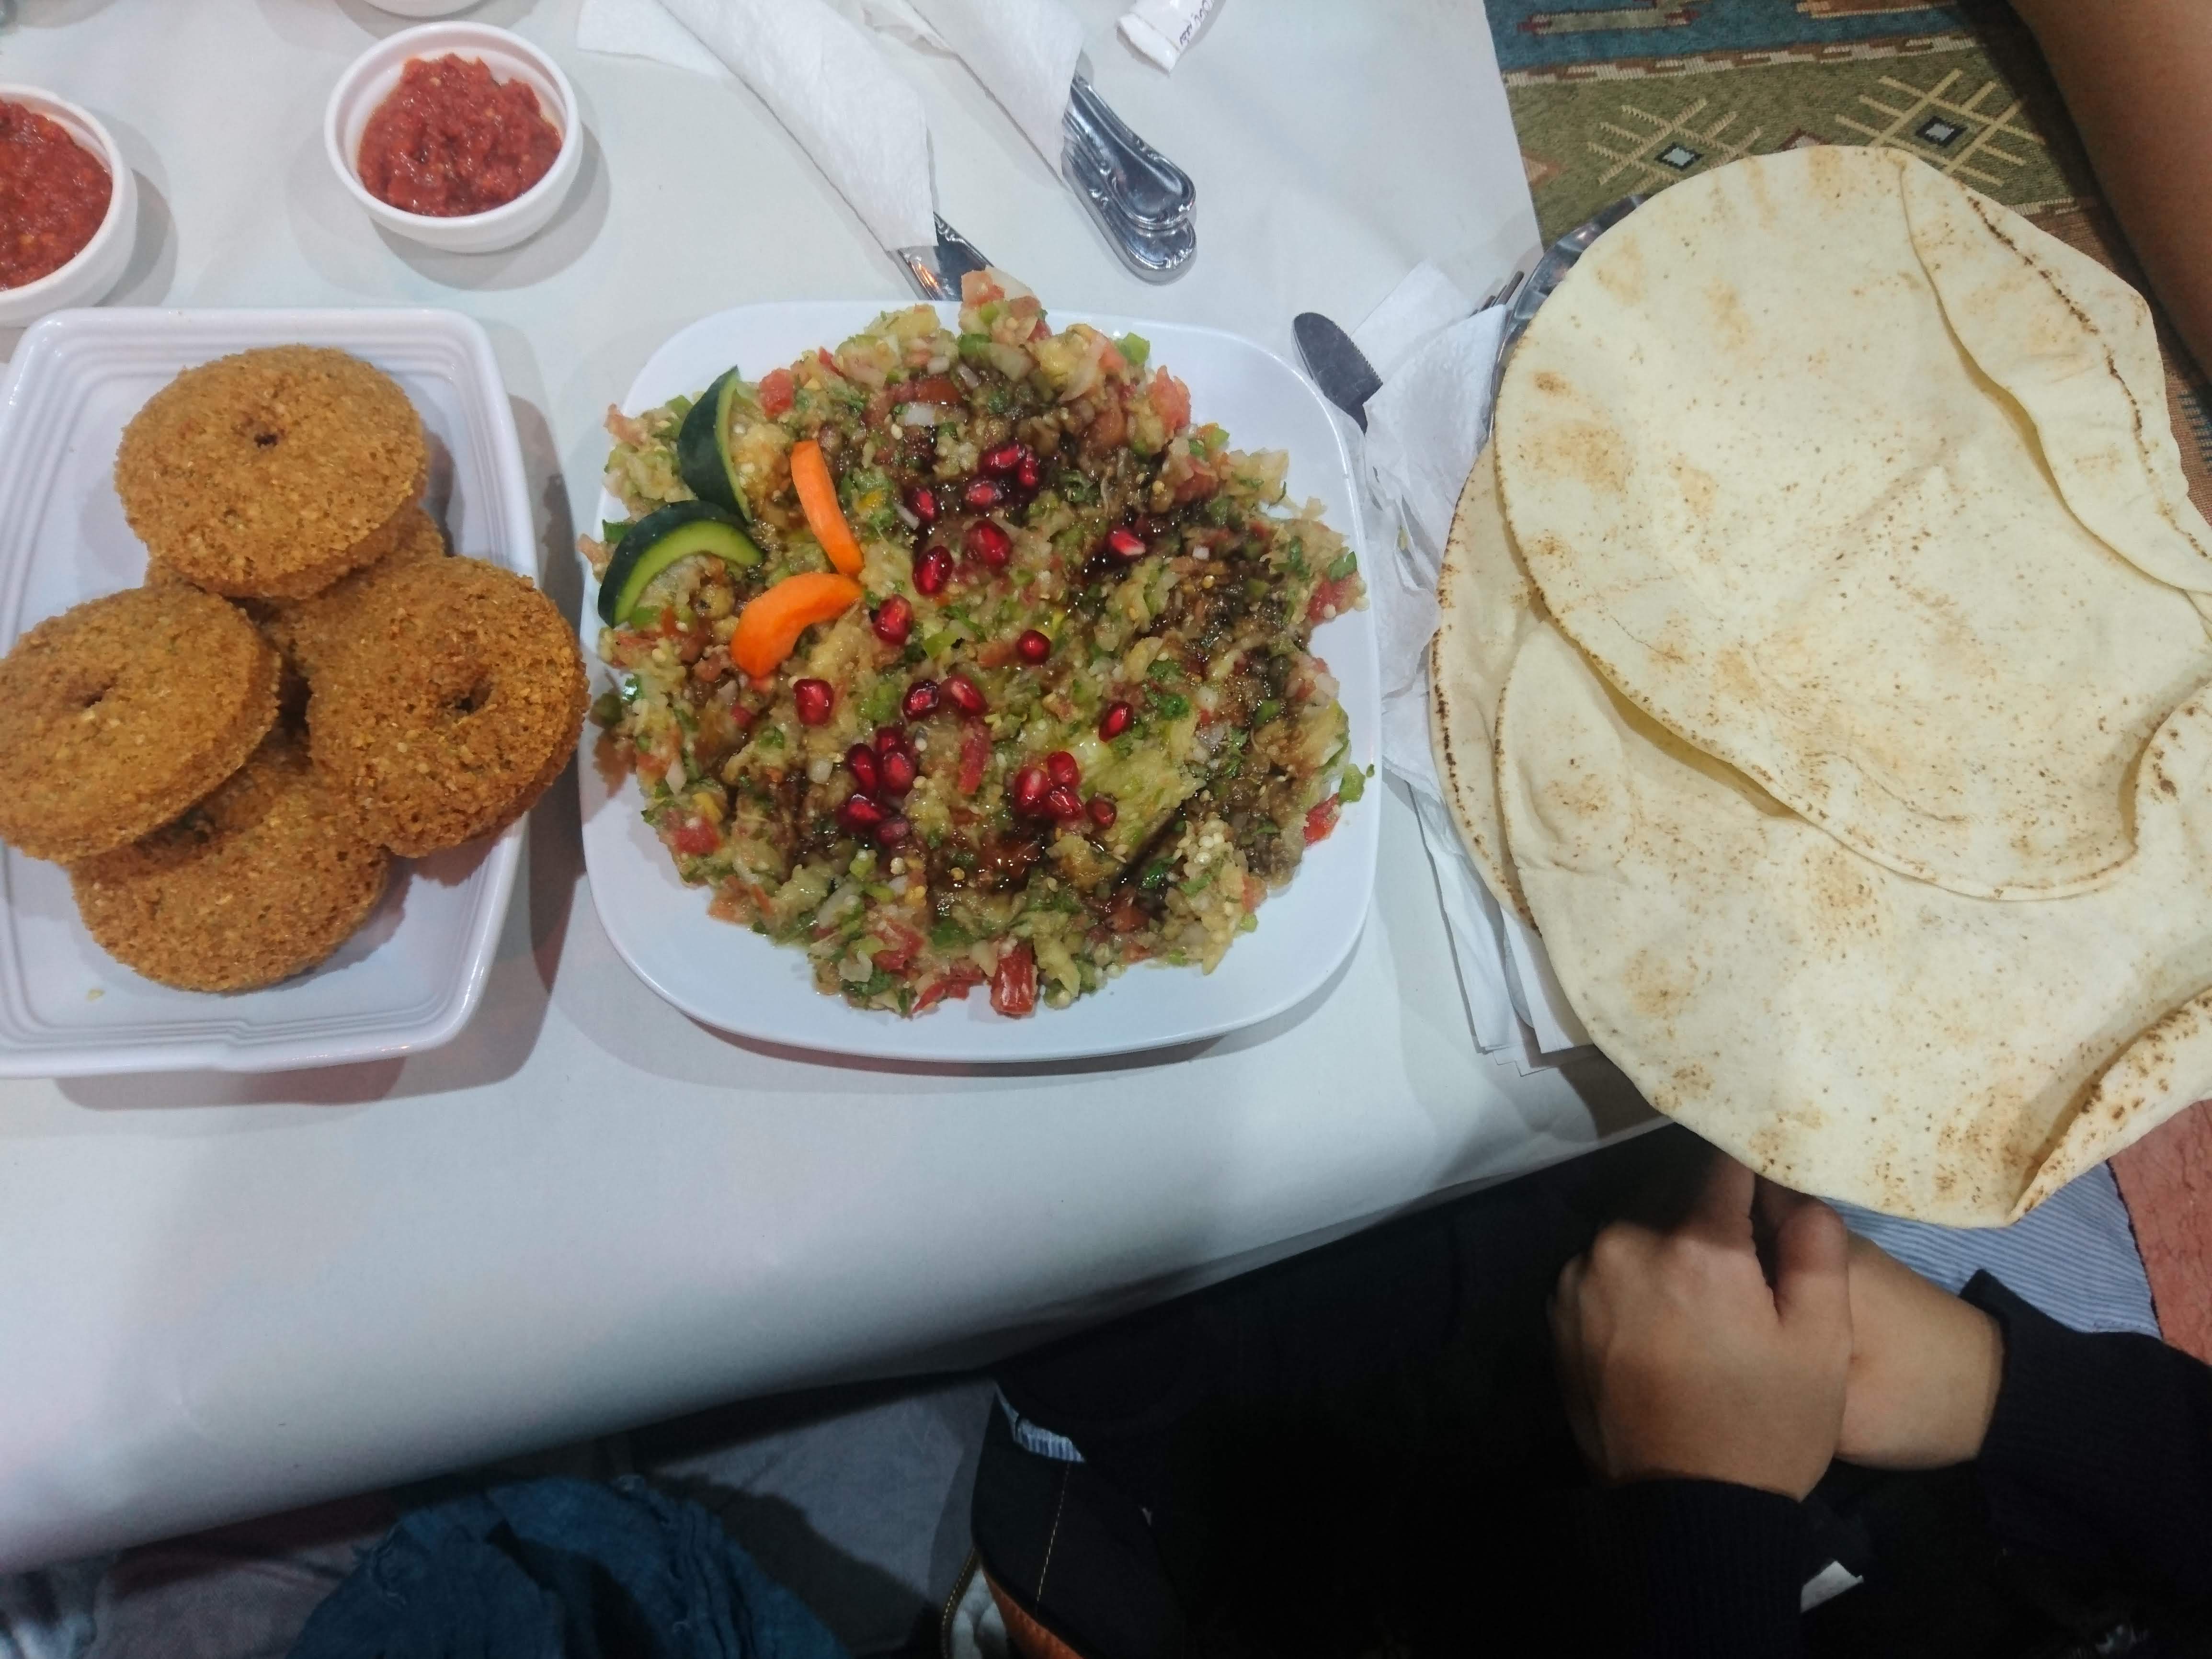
point(936, 271)
point(1339, 367)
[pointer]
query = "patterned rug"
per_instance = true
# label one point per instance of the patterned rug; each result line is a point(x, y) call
point(1612, 100)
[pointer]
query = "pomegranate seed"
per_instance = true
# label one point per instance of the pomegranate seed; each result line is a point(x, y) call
point(859, 815)
point(920, 700)
point(860, 761)
point(1002, 460)
point(1033, 645)
point(1026, 475)
point(960, 691)
point(983, 494)
point(1062, 802)
point(893, 621)
point(921, 501)
point(889, 738)
point(1101, 811)
point(1114, 721)
point(813, 699)
point(933, 569)
point(1030, 787)
point(1125, 543)
point(893, 832)
point(989, 543)
point(898, 772)
point(1060, 766)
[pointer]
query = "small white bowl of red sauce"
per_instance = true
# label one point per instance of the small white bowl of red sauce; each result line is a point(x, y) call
point(69, 207)
point(458, 135)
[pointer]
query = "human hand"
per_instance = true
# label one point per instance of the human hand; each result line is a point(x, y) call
point(1678, 1359)
point(1925, 1369)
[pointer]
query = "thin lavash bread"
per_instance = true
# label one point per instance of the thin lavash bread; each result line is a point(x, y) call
point(1842, 1028)
point(1488, 606)
point(1862, 483)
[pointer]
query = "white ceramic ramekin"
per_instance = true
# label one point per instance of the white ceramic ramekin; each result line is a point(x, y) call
point(85, 279)
point(369, 81)
point(422, 8)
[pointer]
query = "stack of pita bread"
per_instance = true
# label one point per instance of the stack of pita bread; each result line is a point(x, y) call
point(1823, 675)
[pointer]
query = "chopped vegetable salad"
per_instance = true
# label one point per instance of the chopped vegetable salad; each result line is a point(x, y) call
point(962, 659)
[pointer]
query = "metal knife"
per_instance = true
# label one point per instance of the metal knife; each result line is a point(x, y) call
point(936, 271)
point(1339, 367)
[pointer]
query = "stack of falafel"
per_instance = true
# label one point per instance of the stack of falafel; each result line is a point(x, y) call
point(227, 758)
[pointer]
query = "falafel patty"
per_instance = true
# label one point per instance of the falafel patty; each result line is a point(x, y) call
point(304, 629)
point(450, 705)
point(124, 711)
point(272, 473)
point(264, 878)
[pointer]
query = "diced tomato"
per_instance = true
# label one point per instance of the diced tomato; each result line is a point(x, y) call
point(1014, 986)
point(1337, 594)
point(696, 839)
point(931, 389)
point(778, 392)
point(974, 756)
point(1321, 820)
point(822, 355)
point(1170, 399)
point(978, 289)
point(960, 979)
point(904, 944)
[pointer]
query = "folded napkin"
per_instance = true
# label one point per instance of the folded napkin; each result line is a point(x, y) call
point(1425, 427)
point(818, 72)
point(1024, 53)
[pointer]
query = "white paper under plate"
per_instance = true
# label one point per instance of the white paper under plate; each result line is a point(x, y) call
point(410, 978)
point(732, 978)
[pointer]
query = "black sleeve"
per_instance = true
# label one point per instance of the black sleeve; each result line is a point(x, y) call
point(1702, 1569)
point(2100, 1449)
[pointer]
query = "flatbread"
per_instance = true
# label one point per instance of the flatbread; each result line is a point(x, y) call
point(1489, 607)
point(1761, 481)
point(1839, 1028)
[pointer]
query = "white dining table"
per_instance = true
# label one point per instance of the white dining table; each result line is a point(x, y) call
point(223, 1295)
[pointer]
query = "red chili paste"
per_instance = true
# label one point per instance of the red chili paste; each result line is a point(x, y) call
point(449, 140)
point(53, 194)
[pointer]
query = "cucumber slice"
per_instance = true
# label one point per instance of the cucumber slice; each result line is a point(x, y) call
point(661, 537)
point(702, 445)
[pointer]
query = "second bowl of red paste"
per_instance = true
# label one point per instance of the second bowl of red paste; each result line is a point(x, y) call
point(458, 135)
point(450, 139)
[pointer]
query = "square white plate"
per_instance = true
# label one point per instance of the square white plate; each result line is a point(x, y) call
point(732, 978)
point(409, 979)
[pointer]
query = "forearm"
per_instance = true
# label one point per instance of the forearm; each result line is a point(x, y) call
point(2137, 76)
point(1702, 1569)
point(2100, 1448)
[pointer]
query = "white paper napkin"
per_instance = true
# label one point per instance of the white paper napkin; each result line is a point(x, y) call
point(1424, 429)
point(1024, 51)
point(819, 73)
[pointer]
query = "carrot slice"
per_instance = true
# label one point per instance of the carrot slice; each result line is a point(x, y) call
point(770, 623)
point(817, 498)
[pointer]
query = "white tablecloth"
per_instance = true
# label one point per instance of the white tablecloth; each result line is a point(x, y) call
point(220, 1295)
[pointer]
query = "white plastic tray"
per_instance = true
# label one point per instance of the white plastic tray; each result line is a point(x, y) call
point(733, 979)
point(410, 978)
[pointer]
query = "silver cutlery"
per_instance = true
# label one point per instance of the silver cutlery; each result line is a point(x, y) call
point(1144, 204)
point(936, 271)
point(1339, 367)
